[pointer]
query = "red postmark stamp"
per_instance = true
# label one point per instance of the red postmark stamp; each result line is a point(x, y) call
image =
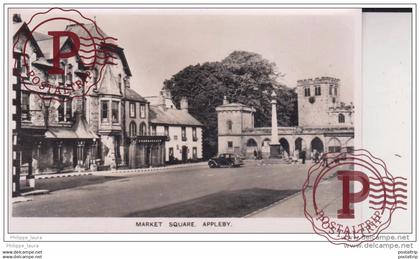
point(349, 198)
point(62, 53)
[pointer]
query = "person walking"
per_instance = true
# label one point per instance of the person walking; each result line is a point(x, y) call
point(295, 156)
point(303, 154)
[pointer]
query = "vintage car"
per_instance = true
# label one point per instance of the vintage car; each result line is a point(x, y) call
point(225, 160)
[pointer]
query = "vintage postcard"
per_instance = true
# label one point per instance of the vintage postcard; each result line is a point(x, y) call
point(228, 120)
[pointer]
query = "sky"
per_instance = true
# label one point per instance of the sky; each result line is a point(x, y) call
point(302, 43)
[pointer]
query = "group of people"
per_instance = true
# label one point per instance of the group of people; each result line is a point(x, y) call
point(301, 154)
point(316, 156)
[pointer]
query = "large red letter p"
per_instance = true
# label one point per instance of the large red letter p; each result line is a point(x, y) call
point(346, 177)
point(57, 54)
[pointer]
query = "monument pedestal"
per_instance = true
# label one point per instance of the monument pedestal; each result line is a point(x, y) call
point(275, 151)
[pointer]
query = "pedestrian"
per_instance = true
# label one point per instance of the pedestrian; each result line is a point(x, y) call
point(295, 157)
point(255, 154)
point(303, 156)
point(316, 156)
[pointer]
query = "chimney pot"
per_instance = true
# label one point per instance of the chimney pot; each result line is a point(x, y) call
point(184, 103)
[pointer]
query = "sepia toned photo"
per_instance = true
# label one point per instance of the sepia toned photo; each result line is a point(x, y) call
point(165, 117)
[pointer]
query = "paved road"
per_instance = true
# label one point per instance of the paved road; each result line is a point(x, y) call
point(121, 197)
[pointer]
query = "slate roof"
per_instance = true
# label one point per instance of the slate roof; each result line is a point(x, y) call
point(132, 95)
point(159, 115)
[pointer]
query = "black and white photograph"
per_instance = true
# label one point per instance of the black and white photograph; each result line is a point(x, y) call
point(184, 114)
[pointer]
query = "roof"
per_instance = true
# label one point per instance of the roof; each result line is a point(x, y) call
point(109, 83)
point(80, 130)
point(132, 95)
point(160, 115)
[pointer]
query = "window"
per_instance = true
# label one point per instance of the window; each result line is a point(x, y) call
point(104, 111)
point(26, 113)
point(143, 129)
point(153, 127)
point(132, 130)
point(62, 76)
point(115, 111)
point(318, 90)
point(229, 125)
point(194, 152)
point(132, 109)
point(335, 91)
point(142, 111)
point(307, 91)
point(184, 134)
point(167, 131)
point(64, 110)
point(69, 75)
point(341, 118)
point(25, 62)
point(230, 144)
point(331, 89)
point(194, 133)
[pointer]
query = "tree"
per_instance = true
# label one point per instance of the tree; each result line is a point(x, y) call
point(243, 77)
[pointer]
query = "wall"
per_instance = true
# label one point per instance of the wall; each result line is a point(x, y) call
point(175, 141)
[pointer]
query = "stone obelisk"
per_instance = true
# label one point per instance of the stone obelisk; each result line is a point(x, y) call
point(274, 145)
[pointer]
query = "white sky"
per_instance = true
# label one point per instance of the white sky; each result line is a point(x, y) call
point(303, 43)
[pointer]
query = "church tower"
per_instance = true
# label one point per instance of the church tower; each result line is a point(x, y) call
point(315, 98)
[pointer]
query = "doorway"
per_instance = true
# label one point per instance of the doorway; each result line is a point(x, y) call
point(184, 154)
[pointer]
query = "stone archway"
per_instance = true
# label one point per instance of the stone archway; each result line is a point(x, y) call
point(284, 144)
point(334, 145)
point(316, 144)
point(299, 144)
point(349, 145)
point(251, 146)
point(265, 145)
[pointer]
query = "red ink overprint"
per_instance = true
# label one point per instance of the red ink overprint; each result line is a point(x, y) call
point(362, 197)
point(81, 40)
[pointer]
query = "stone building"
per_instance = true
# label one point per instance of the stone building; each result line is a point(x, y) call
point(184, 132)
point(325, 124)
point(88, 118)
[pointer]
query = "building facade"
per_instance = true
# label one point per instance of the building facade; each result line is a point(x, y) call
point(184, 132)
point(325, 124)
point(88, 118)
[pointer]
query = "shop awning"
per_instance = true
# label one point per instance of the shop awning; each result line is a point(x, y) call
point(80, 130)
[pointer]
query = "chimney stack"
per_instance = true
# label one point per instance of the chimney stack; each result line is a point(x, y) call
point(184, 103)
point(225, 100)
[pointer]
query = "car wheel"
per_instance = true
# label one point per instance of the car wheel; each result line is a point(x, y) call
point(212, 164)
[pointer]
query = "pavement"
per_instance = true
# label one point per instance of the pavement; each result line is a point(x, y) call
point(108, 172)
point(126, 192)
